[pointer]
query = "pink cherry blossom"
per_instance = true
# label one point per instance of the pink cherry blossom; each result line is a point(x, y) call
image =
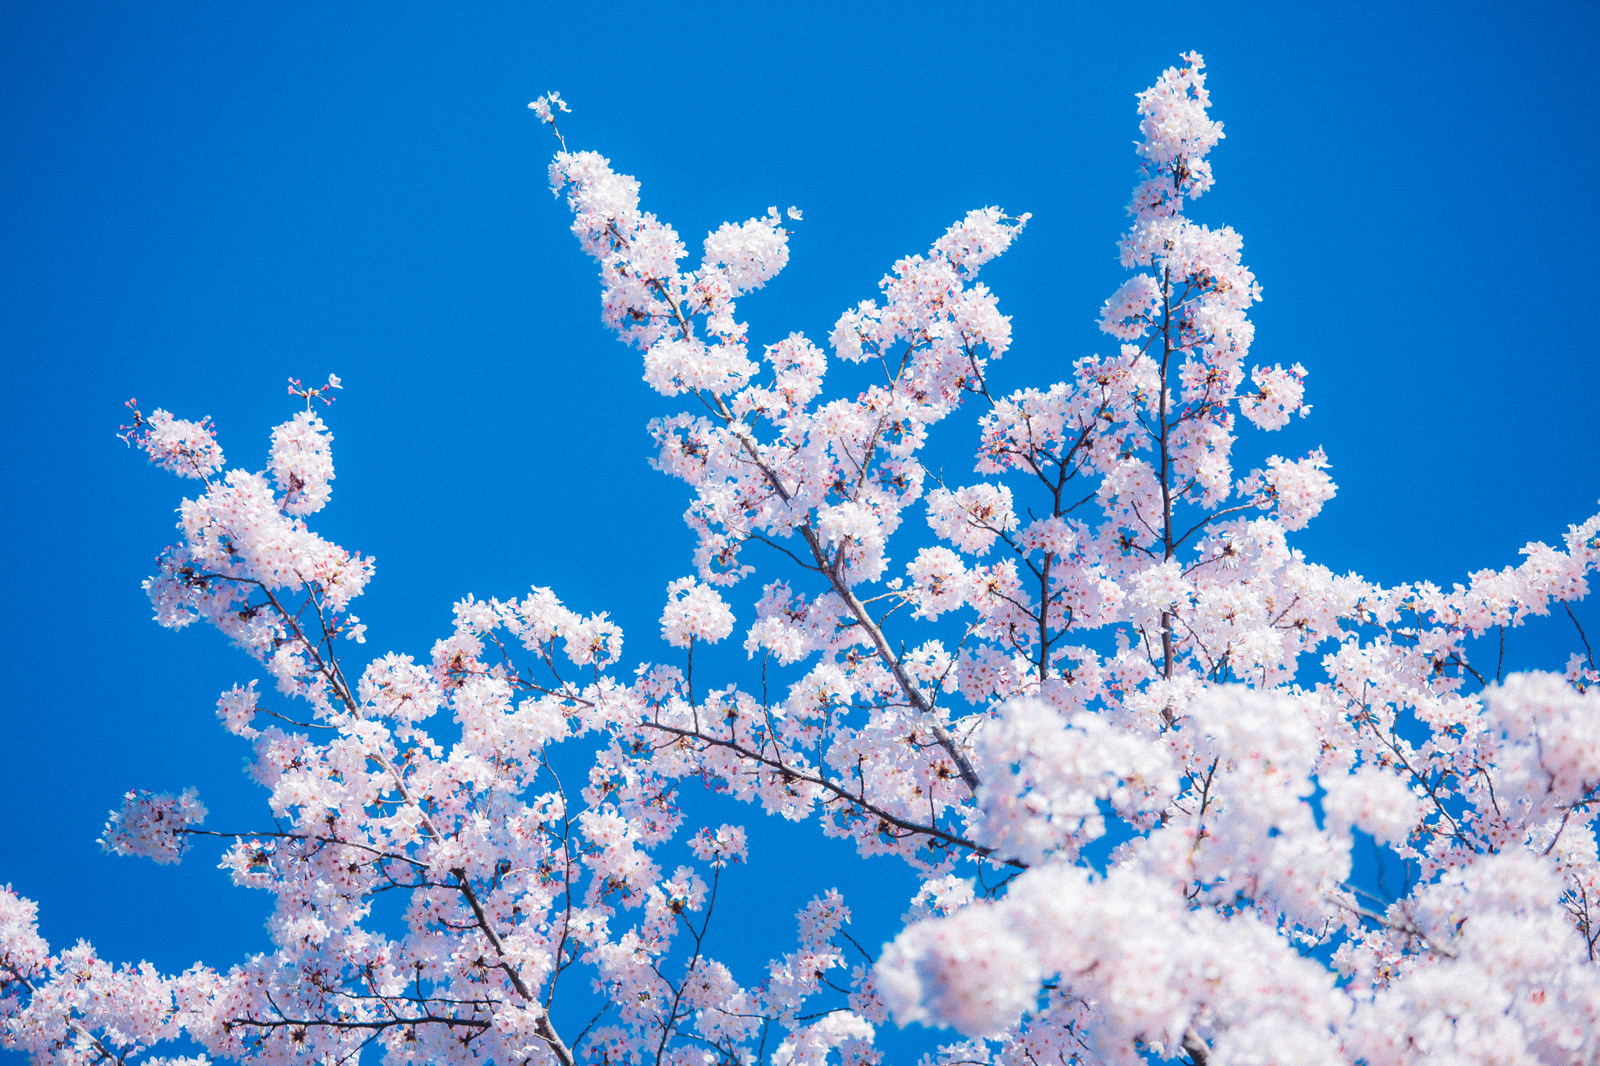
point(188, 449)
point(153, 826)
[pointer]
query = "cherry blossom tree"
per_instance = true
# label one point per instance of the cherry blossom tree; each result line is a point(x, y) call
point(1125, 734)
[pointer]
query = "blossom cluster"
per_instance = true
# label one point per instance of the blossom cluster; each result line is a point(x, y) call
point(188, 449)
point(153, 826)
point(694, 612)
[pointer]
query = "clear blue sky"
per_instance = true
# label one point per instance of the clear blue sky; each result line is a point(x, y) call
point(199, 201)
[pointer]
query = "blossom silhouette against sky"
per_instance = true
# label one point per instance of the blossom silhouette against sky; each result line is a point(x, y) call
point(199, 206)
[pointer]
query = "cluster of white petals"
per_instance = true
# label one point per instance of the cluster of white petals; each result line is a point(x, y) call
point(188, 449)
point(302, 464)
point(971, 518)
point(1128, 311)
point(1045, 780)
point(749, 254)
point(719, 846)
point(694, 612)
point(938, 581)
point(1544, 739)
point(1278, 396)
point(237, 708)
point(547, 106)
point(153, 826)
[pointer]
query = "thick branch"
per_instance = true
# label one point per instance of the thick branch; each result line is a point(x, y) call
point(858, 800)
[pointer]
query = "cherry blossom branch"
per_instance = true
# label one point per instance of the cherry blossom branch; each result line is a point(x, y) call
point(566, 879)
point(832, 568)
point(855, 799)
point(1588, 651)
point(670, 1025)
point(336, 679)
point(377, 852)
point(71, 1023)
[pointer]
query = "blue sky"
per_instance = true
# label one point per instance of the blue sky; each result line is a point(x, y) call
point(199, 202)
